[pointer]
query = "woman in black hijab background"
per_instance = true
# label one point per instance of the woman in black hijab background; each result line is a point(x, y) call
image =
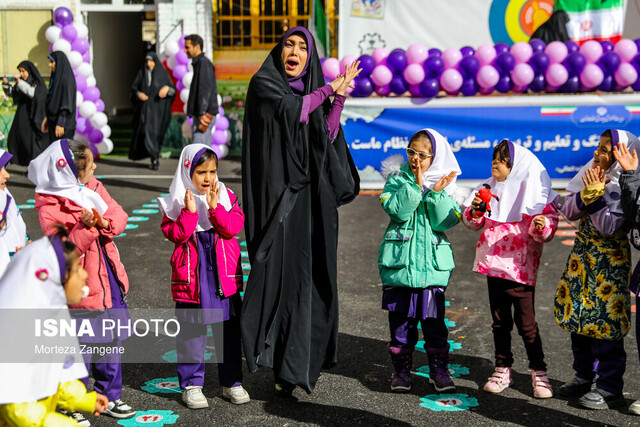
point(152, 94)
point(60, 120)
point(29, 93)
point(296, 171)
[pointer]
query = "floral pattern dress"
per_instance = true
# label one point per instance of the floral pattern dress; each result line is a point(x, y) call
point(593, 293)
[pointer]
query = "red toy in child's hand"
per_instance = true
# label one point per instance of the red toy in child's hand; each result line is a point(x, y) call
point(485, 195)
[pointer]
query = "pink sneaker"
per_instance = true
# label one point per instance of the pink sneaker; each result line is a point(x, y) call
point(500, 380)
point(541, 387)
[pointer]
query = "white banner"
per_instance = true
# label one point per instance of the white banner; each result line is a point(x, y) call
point(367, 24)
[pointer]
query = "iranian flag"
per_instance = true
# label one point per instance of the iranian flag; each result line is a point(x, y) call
point(593, 19)
point(319, 28)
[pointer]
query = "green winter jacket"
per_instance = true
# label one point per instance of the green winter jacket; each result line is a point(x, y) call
point(415, 251)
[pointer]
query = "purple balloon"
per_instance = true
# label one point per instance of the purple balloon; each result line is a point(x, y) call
point(182, 58)
point(363, 87)
point(50, 47)
point(537, 45)
point(367, 64)
point(81, 125)
point(86, 57)
point(80, 45)
point(69, 33)
point(438, 52)
point(504, 85)
point(538, 83)
point(219, 137)
point(430, 87)
point(414, 90)
point(572, 46)
point(94, 151)
point(607, 84)
point(433, 66)
point(501, 47)
point(322, 60)
point(469, 66)
point(398, 85)
point(91, 93)
point(539, 62)
point(607, 46)
point(467, 51)
point(99, 105)
point(62, 16)
point(88, 128)
point(383, 90)
point(180, 85)
point(469, 86)
point(179, 71)
point(397, 62)
point(610, 61)
point(95, 136)
point(504, 62)
point(575, 63)
point(572, 85)
point(81, 83)
point(181, 41)
point(636, 86)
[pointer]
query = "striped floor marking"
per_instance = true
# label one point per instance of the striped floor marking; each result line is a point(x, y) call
point(145, 211)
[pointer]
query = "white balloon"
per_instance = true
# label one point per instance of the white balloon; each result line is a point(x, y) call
point(85, 70)
point(219, 98)
point(190, 66)
point(172, 62)
point(52, 34)
point(75, 58)
point(83, 30)
point(105, 146)
point(98, 120)
point(228, 134)
point(184, 108)
point(87, 109)
point(224, 150)
point(62, 45)
point(79, 98)
point(171, 48)
point(91, 81)
point(184, 95)
point(106, 131)
point(186, 80)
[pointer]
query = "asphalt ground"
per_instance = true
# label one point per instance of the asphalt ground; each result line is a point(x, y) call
point(356, 391)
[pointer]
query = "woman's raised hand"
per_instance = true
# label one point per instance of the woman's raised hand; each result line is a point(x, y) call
point(350, 73)
point(628, 161)
point(444, 181)
point(593, 176)
point(189, 201)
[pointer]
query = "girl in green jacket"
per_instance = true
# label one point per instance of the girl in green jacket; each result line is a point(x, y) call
point(415, 258)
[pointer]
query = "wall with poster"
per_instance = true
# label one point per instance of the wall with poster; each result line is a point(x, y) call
point(562, 131)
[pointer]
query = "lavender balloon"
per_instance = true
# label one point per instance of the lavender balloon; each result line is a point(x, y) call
point(80, 45)
point(451, 80)
point(433, 66)
point(81, 83)
point(62, 16)
point(397, 62)
point(100, 106)
point(367, 64)
point(556, 75)
point(182, 58)
point(381, 75)
point(429, 87)
point(91, 93)
point(539, 62)
point(69, 33)
point(380, 55)
point(504, 84)
point(487, 76)
point(398, 85)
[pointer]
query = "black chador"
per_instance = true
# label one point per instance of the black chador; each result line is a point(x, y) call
point(61, 98)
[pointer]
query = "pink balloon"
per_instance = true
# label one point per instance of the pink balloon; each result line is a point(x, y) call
point(382, 75)
point(522, 74)
point(486, 90)
point(417, 53)
point(331, 68)
point(626, 74)
point(413, 74)
point(100, 105)
point(451, 57)
point(219, 137)
point(383, 90)
point(485, 54)
point(180, 71)
point(182, 58)
point(346, 61)
point(487, 76)
point(556, 75)
point(592, 51)
point(521, 51)
point(451, 79)
point(518, 89)
point(379, 54)
point(557, 51)
point(626, 48)
point(591, 76)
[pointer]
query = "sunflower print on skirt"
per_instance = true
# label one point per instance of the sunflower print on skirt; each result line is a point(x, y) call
point(593, 293)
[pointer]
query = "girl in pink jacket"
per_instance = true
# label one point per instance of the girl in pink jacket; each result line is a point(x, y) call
point(202, 218)
point(523, 217)
point(68, 193)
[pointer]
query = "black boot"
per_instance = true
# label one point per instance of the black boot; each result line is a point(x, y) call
point(402, 359)
point(155, 164)
point(439, 370)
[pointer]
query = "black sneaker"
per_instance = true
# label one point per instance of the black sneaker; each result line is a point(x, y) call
point(576, 387)
point(78, 416)
point(119, 409)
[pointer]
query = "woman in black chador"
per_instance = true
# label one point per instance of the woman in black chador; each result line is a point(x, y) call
point(296, 171)
point(60, 120)
point(152, 94)
point(29, 93)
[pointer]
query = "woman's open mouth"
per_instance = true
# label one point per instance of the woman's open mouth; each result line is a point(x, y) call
point(292, 64)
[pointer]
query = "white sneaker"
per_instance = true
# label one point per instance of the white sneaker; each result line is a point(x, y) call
point(635, 408)
point(194, 399)
point(236, 395)
point(79, 417)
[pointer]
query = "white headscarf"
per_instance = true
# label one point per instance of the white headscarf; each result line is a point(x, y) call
point(33, 280)
point(53, 172)
point(526, 190)
point(14, 232)
point(612, 191)
point(172, 204)
point(444, 161)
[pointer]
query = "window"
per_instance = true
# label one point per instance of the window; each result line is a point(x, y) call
point(259, 24)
